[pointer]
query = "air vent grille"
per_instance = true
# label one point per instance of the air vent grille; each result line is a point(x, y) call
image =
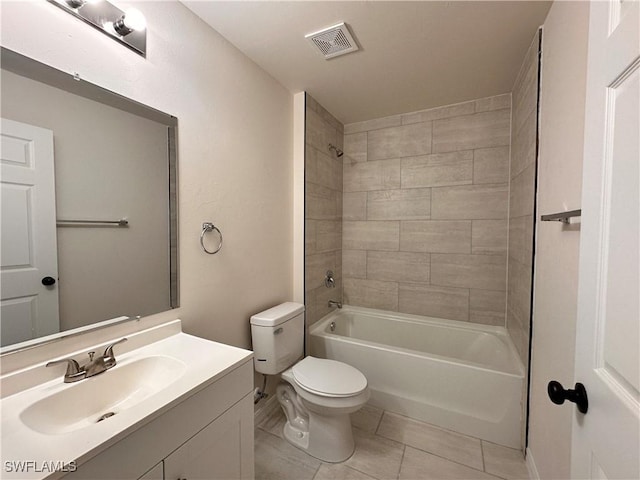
point(333, 41)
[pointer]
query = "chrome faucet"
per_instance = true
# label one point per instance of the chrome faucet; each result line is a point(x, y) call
point(333, 303)
point(75, 372)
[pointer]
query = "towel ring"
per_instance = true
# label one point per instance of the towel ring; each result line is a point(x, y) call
point(210, 227)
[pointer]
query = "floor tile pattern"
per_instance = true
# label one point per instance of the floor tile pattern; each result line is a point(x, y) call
point(388, 447)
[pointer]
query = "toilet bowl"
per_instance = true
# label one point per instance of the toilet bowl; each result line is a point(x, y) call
point(316, 394)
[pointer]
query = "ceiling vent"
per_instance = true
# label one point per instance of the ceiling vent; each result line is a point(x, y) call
point(333, 41)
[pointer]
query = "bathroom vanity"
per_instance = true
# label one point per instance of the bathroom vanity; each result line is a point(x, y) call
point(176, 406)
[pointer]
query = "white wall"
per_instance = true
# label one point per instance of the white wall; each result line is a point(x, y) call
point(563, 87)
point(234, 149)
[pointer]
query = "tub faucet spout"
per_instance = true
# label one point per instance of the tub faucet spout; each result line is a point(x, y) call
point(333, 303)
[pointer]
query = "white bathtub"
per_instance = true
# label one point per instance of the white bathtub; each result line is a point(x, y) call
point(460, 376)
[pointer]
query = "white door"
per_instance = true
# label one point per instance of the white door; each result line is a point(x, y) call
point(28, 252)
point(606, 441)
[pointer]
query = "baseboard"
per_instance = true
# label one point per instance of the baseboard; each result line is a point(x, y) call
point(263, 411)
point(531, 466)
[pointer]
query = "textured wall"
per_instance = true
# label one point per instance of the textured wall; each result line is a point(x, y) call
point(425, 211)
point(323, 209)
point(235, 125)
point(521, 200)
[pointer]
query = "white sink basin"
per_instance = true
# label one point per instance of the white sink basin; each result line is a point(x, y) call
point(103, 396)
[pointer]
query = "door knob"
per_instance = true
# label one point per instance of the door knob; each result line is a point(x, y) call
point(558, 394)
point(48, 281)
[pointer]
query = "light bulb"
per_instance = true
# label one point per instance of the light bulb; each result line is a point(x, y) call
point(130, 21)
point(134, 19)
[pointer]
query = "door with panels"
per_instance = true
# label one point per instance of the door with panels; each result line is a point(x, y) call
point(606, 440)
point(28, 257)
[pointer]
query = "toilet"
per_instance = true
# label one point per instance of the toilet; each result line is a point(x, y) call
point(316, 394)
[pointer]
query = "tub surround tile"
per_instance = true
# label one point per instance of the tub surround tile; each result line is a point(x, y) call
point(437, 170)
point(375, 124)
point(504, 462)
point(319, 133)
point(491, 165)
point(436, 236)
point(375, 235)
point(310, 237)
point(338, 471)
point(355, 147)
point(430, 182)
point(487, 307)
point(376, 456)
point(354, 263)
point(493, 103)
point(521, 239)
point(444, 443)
point(485, 272)
point(434, 301)
point(329, 171)
point(467, 132)
point(403, 141)
point(316, 269)
point(522, 193)
point(413, 204)
point(371, 294)
point(524, 145)
point(277, 459)
point(367, 418)
point(371, 175)
point(438, 113)
point(469, 202)
point(398, 266)
point(489, 236)
point(328, 235)
point(519, 289)
point(321, 202)
point(354, 206)
point(417, 464)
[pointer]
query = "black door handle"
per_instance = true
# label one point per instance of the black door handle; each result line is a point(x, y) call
point(48, 281)
point(578, 395)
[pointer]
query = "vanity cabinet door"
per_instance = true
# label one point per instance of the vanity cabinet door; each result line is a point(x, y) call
point(156, 473)
point(221, 450)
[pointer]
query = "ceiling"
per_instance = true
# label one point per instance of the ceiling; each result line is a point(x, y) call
point(413, 56)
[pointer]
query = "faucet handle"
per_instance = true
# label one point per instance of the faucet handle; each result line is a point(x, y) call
point(108, 352)
point(73, 368)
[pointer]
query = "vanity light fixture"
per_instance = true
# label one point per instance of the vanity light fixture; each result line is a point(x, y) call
point(128, 28)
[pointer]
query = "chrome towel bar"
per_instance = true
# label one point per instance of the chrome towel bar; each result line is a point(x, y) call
point(561, 216)
point(123, 222)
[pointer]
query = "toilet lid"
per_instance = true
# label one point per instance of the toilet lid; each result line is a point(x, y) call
point(329, 377)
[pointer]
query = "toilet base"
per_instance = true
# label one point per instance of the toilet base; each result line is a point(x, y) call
point(326, 437)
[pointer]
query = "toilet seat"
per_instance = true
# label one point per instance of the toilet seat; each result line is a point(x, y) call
point(328, 378)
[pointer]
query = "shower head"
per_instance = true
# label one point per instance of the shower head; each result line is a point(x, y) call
point(339, 152)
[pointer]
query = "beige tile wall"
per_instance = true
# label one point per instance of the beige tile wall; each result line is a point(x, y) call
point(521, 201)
point(323, 209)
point(425, 201)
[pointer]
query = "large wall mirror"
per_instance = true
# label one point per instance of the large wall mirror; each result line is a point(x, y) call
point(88, 205)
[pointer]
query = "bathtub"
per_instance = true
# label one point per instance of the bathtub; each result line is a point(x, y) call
point(460, 376)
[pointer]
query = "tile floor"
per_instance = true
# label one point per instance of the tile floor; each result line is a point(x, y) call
point(388, 446)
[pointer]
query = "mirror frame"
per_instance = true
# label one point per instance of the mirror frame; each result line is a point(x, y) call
point(73, 83)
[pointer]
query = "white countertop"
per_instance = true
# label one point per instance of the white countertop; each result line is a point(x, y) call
point(205, 362)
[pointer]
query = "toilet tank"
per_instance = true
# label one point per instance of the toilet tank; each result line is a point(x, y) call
point(278, 337)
